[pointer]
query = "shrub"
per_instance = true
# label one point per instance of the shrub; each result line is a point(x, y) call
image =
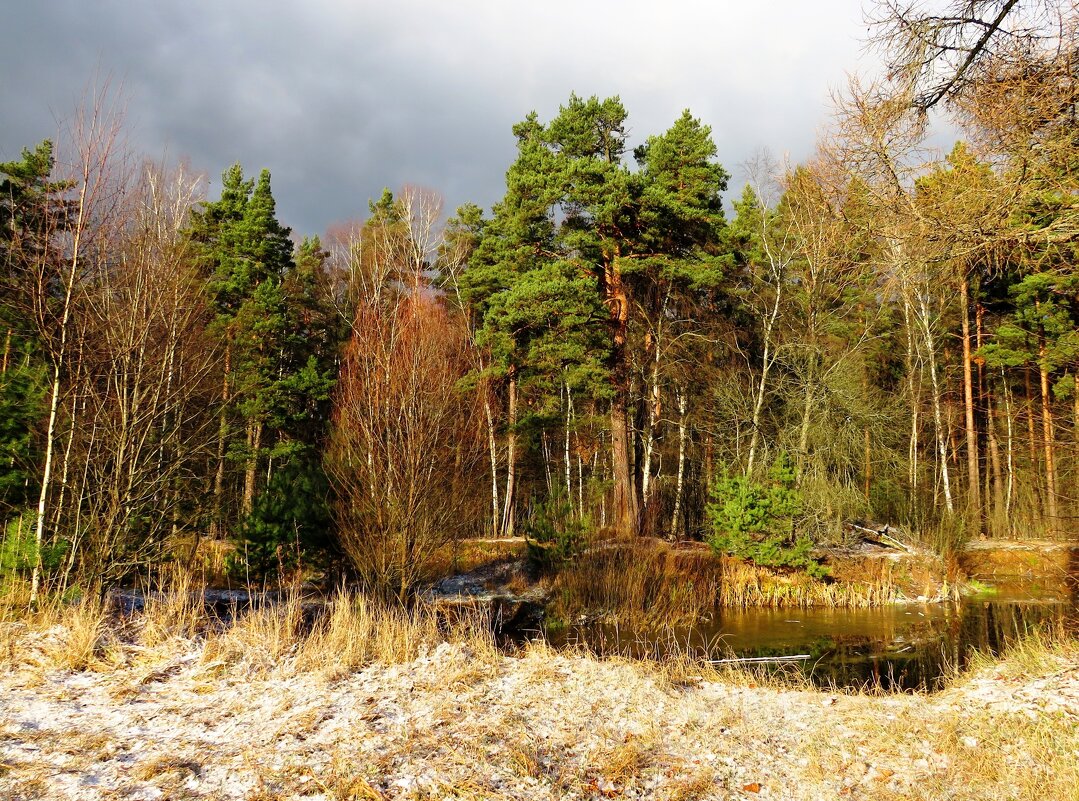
point(18, 548)
point(555, 536)
point(289, 524)
point(757, 521)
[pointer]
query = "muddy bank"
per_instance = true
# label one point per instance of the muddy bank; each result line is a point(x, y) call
point(1053, 564)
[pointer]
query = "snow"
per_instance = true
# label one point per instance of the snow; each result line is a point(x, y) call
point(454, 723)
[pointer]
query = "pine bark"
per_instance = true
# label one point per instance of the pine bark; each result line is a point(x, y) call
point(625, 511)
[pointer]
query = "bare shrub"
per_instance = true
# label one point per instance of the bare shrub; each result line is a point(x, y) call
point(406, 449)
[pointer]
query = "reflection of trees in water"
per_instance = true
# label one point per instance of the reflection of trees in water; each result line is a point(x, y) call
point(887, 651)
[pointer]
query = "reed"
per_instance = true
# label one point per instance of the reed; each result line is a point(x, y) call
point(646, 583)
point(650, 583)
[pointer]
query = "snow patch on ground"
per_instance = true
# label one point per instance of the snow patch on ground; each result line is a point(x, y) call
point(456, 724)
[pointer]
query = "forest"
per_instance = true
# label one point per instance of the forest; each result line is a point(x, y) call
point(880, 335)
point(664, 477)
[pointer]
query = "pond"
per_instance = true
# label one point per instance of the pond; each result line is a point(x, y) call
point(894, 648)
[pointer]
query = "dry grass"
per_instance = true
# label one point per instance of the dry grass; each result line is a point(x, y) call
point(466, 555)
point(549, 724)
point(164, 767)
point(288, 635)
point(651, 584)
point(625, 761)
point(958, 753)
point(173, 610)
point(1040, 652)
point(58, 635)
point(697, 785)
point(645, 583)
point(87, 635)
point(1004, 744)
point(355, 631)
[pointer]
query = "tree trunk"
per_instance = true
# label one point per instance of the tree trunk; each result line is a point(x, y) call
point(990, 406)
point(217, 525)
point(1047, 436)
point(1009, 492)
point(625, 510)
point(650, 431)
point(492, 446)
point(510, 496)
point(254, 443)
point(994, 457)
point(913, 363)
point(1075, 404)
point(868, 465)
point(46, 476)
point(803, 436)
point(678, 487)
point(580, 482)
point(54, 394)
point(767, 359)
point(974, 481)
point(1032, 437)
point(942, 444)
point(565, 455)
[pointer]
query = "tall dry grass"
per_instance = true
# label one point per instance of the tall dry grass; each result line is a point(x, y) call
point(288, 634)
point(172, 610)
point(649, 583)
point(55, 634)
point(356, 631)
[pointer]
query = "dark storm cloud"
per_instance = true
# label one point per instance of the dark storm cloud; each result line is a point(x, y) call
point(339, 99)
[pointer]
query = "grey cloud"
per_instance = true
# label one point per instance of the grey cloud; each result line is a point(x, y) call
point(339, 99)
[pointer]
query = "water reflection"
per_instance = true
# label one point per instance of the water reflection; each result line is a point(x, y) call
point(917, 646)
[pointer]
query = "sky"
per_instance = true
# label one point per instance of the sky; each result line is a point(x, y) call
point(340, 98)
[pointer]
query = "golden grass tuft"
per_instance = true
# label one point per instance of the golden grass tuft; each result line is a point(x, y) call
point(87, 635)
point(624, 761)
point(970, 749)
point(173, 610)
point(59, 635)
point(696, 786)
point(349, 632)
point(257, 640)
point(1042, 651)
point(355, 631)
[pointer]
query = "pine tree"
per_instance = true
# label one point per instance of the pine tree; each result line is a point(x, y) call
point(280, 338)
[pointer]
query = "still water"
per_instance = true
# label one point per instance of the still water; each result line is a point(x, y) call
point(894, 648)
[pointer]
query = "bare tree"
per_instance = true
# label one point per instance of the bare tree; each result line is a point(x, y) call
point(148, 383)
point(91, 168)
point(936, 55)
point(407, 443)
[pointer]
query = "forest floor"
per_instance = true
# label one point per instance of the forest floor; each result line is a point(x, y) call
point(183, 717)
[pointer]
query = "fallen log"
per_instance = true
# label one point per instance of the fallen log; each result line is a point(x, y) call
point(756, 660)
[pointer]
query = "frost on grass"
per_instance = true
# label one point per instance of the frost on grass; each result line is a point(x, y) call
point(457, 722)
